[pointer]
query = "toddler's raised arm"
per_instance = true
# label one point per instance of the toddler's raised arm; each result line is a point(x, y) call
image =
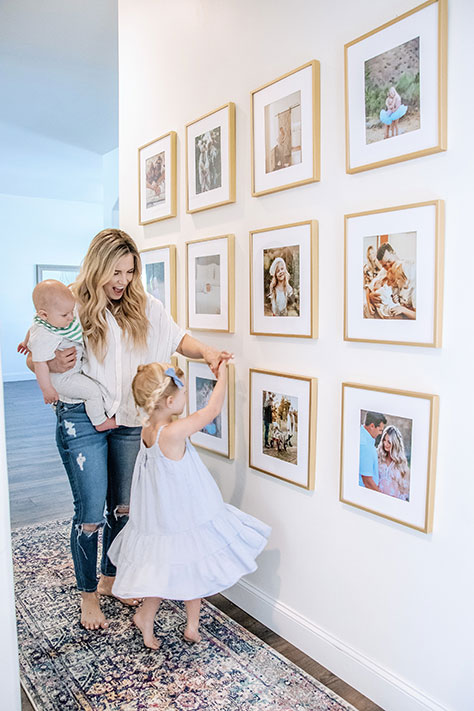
point(187, 426)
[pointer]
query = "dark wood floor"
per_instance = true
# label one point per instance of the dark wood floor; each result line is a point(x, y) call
point(39, 491)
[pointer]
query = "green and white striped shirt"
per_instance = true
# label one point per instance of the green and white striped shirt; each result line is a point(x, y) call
point(73, 332)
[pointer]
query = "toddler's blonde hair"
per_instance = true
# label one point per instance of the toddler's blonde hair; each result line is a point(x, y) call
point(150, 386)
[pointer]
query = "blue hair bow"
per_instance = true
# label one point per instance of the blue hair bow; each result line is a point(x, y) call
point(172, 374)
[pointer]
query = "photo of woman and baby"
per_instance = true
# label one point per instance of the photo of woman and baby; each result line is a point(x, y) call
point(389, 276)
point(385, 453)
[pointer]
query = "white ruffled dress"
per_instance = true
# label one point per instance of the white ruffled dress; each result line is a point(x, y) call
point(181, 541)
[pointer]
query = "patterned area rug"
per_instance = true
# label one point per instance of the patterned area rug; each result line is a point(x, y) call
point(67, 668)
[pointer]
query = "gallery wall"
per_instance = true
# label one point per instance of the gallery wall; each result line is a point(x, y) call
point(53, 198)
point(366, 597)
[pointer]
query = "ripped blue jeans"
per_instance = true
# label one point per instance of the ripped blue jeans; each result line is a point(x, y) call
point(100, 467)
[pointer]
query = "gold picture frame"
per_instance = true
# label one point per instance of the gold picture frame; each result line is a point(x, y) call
point(275, 445)
point(422, 115)
point(210, 284)
point(165, 290)
point(157, 200)
point(286, 165)
point(222, 439)
point(418, 230)
point(210, 167)
point(285, 242)
point(405, 492)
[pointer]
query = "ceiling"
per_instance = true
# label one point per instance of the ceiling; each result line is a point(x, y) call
point(59, 70)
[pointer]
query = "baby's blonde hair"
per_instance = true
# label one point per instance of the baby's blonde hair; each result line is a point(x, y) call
point(48, 292)
point(150, 386)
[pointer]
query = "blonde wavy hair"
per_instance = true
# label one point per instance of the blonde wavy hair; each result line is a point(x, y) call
point(98, 267)
point(151, 386)
point(397, 450)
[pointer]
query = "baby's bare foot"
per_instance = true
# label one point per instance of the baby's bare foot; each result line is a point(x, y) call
point(108, 424)
point(105, 588)
point(92, 617)
point(191, 635)
point(145, 625)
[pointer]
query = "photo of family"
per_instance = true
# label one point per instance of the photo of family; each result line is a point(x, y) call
point(280, 426)
point(208, 284)
point(155, 179)
point(283, 132)
point(385, 453)
point(204, 388)
point(281, 277)
point(392, 92)
point(389, 276)
point(155, 280)
point(208, 160)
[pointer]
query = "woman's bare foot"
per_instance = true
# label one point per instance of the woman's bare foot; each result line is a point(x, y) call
point(145, 625)
point(108, 424)
point(105, 588)
point(92, 617)
point(191, 635)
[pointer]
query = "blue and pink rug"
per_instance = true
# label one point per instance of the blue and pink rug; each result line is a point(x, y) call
point(66, 668)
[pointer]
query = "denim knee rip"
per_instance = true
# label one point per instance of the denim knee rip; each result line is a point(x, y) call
point(80, 531)
point(121, 510)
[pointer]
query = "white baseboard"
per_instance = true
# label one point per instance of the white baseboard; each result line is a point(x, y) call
point(379, 684)
point(12, 377)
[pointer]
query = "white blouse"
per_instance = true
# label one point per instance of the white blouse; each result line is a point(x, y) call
point(115, 373)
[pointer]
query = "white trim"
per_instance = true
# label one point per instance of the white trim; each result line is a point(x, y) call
point(367, 676)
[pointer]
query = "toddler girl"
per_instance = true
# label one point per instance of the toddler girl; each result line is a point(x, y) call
point(56, 327)
point(394, 111)
point(280, 287)
point(181, 542)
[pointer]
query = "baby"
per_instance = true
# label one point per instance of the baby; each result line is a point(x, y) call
point(54, 327)
point(381, 284)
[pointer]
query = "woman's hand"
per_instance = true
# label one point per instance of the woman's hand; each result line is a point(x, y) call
point(192, 348)
point(63, 361)
point(214, 358)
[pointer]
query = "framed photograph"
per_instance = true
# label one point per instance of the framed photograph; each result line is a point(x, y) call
point(282, 426)
point(63, 273)
point(157, 179)
point(388, 453)
point(159, 275)
point(210, 284)
point(210, 159)
point(285, 131)
point(394, 275)
point(284, 280)
point(218, 436)
point(396, 89)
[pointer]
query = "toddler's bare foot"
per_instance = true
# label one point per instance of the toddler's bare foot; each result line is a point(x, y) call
point(145, 625)
point(105, 588)
point(92, 617)
point(191, 635)
point(108, 424)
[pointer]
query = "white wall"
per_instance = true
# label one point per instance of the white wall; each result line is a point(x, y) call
point(110, 182)
point(54, 198)
point(386, 608)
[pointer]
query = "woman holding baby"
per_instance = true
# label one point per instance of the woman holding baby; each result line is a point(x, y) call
point(123, 327)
